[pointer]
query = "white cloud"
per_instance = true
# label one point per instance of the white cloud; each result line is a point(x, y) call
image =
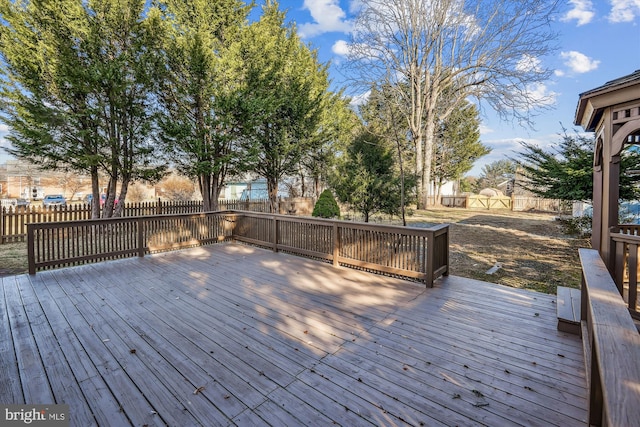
point(582, 12)
point(624, 10)
point(540, 94)
point(355, 6)
point(4, 128)
point(327, 15)
point(579, 62)
point(529, 63)
point(360, 99)
point(485, 130)
point(558, 73)
point(340, 47)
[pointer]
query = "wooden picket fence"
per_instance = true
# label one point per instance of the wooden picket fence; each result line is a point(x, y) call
point(13, 221)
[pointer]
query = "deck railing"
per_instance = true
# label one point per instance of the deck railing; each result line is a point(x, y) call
point(625, 245)
point(612, 347)
point(417, 253)
point(59, 244)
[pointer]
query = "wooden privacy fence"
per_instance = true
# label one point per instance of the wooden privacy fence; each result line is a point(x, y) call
point(13, 221)
point(417, 253)
point(514, 203)
point(611, 347)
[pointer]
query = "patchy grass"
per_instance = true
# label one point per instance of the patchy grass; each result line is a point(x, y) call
point(13, 258)
point(533, 249)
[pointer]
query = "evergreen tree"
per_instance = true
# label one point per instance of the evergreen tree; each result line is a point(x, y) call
point(77, 92)
point(282, 98)
point(566, 171)
point(366, 178)
point(197, 90)
point(381, 117)
point(457, 145)
point(334, 131)
point(326, 206)
point(496, 173)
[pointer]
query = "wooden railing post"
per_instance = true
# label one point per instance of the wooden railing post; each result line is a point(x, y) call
point(430, 258)
point(31, 253)
point(337, 241)
point(141, 245)
point(274, 231)
point(2, 213)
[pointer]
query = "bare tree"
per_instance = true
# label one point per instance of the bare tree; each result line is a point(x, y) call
point(177, 187)
point(489, 50)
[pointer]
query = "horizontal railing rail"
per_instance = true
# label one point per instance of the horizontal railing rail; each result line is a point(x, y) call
point(417, 253)
point(612, 347)
point(625, 246)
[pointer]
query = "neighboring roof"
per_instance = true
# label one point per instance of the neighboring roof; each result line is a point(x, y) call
point(594, 113)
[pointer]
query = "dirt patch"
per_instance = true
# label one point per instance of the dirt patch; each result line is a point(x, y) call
point(532, 249)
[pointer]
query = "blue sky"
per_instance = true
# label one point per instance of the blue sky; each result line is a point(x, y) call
point(599, 41)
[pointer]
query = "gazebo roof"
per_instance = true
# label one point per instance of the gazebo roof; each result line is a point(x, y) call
point(594, 101)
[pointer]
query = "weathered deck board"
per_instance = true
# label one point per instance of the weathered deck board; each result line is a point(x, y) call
point(235, 335)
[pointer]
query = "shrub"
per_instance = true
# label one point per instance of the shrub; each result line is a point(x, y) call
point(326, 206)
point(577, 226)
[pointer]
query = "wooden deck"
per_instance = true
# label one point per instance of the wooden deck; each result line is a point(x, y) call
point(234, 335)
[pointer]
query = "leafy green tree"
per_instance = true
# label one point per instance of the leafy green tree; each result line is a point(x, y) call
point(280, 105)
point(468, 184)
point(495, 173)
point(566, 171)
point(335, 129)
point(326, 206)
point(366, 178)
point(381, 116)
point(198, 88)
point(76, 90)
point(457, 145)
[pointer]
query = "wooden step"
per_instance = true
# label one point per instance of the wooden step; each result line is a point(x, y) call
point(568, 306)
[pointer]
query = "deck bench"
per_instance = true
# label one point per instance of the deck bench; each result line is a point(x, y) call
point(568, 308)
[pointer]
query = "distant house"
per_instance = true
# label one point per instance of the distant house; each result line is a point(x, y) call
point(250, 190)
point(257, 190)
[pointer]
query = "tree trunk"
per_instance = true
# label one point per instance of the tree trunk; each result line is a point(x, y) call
point(95, 191)
point(429, 141)
point(109, 203)
point(119, 207)
point(215, 193)
point(272, 190)
point(205, 191)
